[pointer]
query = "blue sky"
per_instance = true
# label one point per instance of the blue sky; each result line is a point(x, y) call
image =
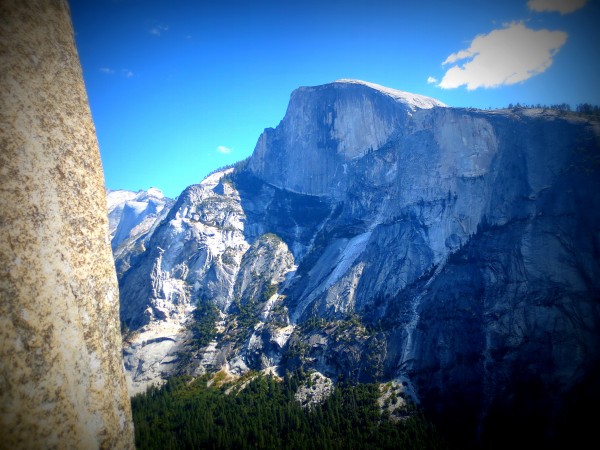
point(179, 88)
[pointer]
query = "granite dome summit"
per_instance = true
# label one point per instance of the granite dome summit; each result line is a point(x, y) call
point(412, 100)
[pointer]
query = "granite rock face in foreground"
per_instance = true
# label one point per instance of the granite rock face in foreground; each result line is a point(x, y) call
point(62, 383)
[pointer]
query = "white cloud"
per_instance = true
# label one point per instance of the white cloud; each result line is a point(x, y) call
point(223, 149)
point(561, 6)
point(431, 80)
point(159, 29)
point(124, 72)
point(503, 57)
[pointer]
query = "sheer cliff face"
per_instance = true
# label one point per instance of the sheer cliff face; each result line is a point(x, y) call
point(454, 250)
point(324, 128)
point(62, 383)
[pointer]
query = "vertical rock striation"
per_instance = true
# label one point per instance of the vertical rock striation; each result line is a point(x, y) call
point(62, 383)
point(325, 128)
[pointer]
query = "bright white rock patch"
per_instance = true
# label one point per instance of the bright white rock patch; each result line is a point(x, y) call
point(414, 101)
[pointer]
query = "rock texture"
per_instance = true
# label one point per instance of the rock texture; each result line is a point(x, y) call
point(131, 214)
point(327, 127)
point(315, 391)
point(62, 383)
point(132, 217)
point(376, 235)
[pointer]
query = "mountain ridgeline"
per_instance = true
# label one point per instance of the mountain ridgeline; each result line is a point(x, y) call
point(377, 235)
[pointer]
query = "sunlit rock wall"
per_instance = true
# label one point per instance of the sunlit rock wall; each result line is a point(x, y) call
point(62, 383)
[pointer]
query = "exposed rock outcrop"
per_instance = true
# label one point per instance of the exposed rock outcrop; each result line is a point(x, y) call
point(314, 391)
point(62, 383)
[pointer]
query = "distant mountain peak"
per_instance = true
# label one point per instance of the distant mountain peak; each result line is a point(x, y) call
point(155, 192)
point(410, 99)
point(128, 209)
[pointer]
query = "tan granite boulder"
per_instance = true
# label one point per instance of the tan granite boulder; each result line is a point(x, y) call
point(62, 383)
